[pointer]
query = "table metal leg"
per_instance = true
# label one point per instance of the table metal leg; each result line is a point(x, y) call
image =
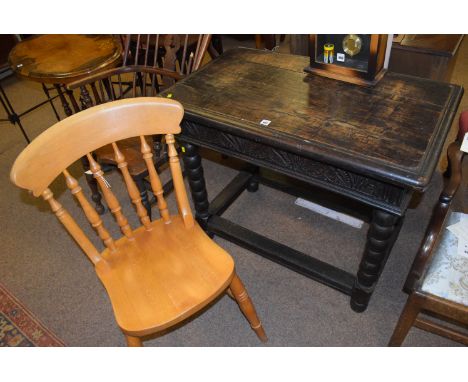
point(12, 116)
point(381, 236)
point(194, 171)
point(46, 92)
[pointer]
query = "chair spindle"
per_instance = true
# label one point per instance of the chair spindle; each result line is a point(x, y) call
point(86, 101)
point(96, 93)
point(179, 187)
point(110, 198)
point(189, 65)
point(202, 46)
point(137, 52)
point(90, 212)
point(126, 49)
point(156, 185)
point(197, 49)
point(131, 187)
point(184, 54)
point(73, 229)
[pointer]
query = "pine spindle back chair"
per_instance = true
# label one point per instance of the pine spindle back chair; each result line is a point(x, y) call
point(150, 63)
point(162, 272)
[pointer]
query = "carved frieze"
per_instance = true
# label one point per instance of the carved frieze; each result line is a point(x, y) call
point(346, 182)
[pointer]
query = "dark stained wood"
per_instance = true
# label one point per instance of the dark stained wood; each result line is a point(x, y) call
point(375, 146)
point(55, 58)
point(420, 301)
point(393, 131)
point(375, 63)
point(7, 42)
point(428, 56)
point(141, 74)
point(440, 44)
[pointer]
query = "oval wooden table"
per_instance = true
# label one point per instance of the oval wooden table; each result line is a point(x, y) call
point(59, 59)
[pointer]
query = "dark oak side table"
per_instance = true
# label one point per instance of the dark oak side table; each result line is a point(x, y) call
point(375, 146)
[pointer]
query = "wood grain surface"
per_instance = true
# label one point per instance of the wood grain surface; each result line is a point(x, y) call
point(393, 131)
point(60, 58)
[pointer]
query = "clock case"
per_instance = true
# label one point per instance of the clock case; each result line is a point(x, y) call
point(366, 68)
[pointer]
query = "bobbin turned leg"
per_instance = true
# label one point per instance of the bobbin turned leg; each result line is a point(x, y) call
point(194, 171)
point(252, 185)
point(380, 238)
point(246, 306)
point(133, 341)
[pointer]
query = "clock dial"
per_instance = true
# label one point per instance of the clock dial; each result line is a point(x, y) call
point(352, 44)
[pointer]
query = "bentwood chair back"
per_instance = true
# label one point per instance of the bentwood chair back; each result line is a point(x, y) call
point(161, 272)
point(150, 63)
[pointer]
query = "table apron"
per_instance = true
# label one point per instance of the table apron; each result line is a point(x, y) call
point(370, 191)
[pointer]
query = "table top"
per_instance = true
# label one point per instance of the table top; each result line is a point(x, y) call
point(393, 131)
point(57, 58)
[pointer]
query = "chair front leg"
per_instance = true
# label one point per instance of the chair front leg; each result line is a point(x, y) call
point(246, 306)
point(406, 320)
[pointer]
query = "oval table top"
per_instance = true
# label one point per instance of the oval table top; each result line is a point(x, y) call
point(55, 58)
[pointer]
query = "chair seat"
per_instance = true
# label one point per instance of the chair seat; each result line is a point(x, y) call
point(163, 276)
point(447, 275)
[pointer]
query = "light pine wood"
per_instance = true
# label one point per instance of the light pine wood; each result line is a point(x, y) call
point(72, 138)
point(90, 212)
point(162, 272)
point(131, 187)
point(156, 184)
point(163, 276)
point(239, 292)
point(110, 198)
point(70, 225)
point(179, 187)
point(133, 341)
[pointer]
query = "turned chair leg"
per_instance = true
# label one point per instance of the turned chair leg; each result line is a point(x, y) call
point(246, 306)
point(133, 341)
point(406, 320)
